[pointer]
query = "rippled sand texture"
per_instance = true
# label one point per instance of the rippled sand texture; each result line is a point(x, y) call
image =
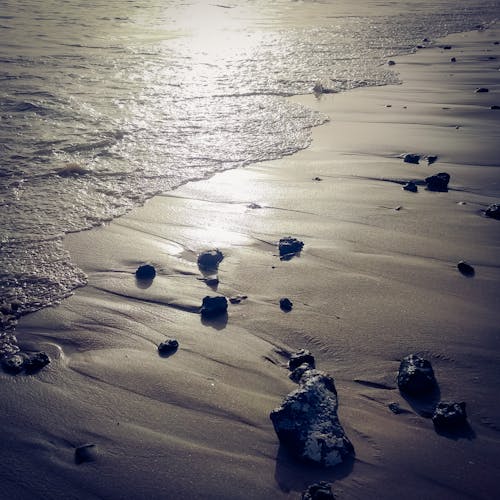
point(377, 280)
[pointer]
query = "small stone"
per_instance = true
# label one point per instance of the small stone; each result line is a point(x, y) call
point(318, 179)
point(495, 106)
point(391, 63)
point(213, 306)
point(286, 304)
point(300, 357)
point(438, 182)
point(415, 375)
point(168, 347)
point(426, 40)
point(453, 59)
point(493, 211)
point(431, 159)
point(395, 408)
point(318, 491)
point(481, 90)
point(288, 247)
point(410, 186)
point(13, 364)
point(211, 281)
point(254, 205)
point(447, 47)
point(411, 158)
point(145, 272)
point(449, 415)
point(238, 299)
point(465, 269)
point(85, 453)
point(210, 259)
point(36, 362)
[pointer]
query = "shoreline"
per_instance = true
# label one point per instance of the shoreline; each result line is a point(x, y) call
point(373, 283)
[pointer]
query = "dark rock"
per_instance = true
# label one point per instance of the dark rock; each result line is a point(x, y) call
point(286, 304)
point(168, 347)
point(493, 211)
point(320, 89)
point(254, 205)
point(210, 259)
point(438, 182)
point(307, 423)
point(318, 179)
point(415, 376)
point(36, 362)
point(447, 47)
point(465, 269)
point(449, 415)
point(145, 272)
point(298, 372)
point(431, 159)
point(13, 363)
point(495, 106)
point(426, 40)
point(391, 63)
point(212, 281)
point(453, 59)
point(481, 90)
point(238, 299)
point(289, 247)
point(213, 306)
point(85, 453)
point(395, 408)
point(410, 186)
point(411, 158)
point(300, 357)
point(318, 491)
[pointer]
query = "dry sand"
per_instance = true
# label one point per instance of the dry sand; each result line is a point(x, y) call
point(377, 280)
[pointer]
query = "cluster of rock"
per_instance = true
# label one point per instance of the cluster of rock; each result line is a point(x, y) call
point(307, 423)
point(289, 247)
point(416, 378)
point(20, 361)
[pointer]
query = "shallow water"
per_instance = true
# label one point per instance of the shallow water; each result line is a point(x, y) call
point(104, 104)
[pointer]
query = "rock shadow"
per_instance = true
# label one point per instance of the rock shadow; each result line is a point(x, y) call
point(292, 474)
point(456, 432)
point(143, 283)
point(424, 404)
point(218, 322)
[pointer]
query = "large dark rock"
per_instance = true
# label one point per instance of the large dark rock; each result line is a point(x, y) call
point(411, 158)
point(167, 347)
point(438, 182)
point(213, 306)
point(449, 415)
point(286, 304)
point(145, 272)
point(210, 259)
point(289, 247)
point(318, 491)
point(36, 362)
point(493, 211)
point(307, 423)
point(300, 357)
point(416, 376)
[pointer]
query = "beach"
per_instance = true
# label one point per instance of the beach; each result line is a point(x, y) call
point(377, 280)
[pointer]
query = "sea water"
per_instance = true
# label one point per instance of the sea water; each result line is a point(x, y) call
point(104, 103)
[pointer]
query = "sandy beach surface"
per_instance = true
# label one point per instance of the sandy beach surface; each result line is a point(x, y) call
point(377, 280)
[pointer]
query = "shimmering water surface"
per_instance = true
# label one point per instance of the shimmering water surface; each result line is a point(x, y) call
point(105, 103)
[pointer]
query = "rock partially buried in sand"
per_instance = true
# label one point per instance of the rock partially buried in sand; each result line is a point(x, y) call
point(300, 357)
point(36, 362)
point(85, 453)
point(410, 186)
point(449, 415)
point(411, 158)
point(289, 247)
point(286, 304)
point(213, 306)
point(481, 90)
point(431, 159)
point(438, 182)
point(13, 363)
point(318, 491)
point(465, 268)
point(145, 272)
point(415, 376)
point(210, 259)
point(168, 347)
point(307, 423)
point(493, 211)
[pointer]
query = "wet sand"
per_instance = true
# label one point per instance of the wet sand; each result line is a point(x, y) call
point(376, 280)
